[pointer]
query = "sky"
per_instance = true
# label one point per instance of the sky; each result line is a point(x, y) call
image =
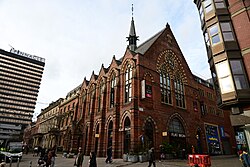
point(77, 36)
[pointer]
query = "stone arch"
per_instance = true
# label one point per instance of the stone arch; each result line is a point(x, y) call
point(178, 116)
point(124, 115)
point(97, 122)
point(148, 74)
point(172, 64)
point(149, 119)
point(126, 62)
point(177, 133)
point(149, 129)
point(112, 72)
point(110, 118)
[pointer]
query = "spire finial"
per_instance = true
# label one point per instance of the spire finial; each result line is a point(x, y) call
point(132, 10)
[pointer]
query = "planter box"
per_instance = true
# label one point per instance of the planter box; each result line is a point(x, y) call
point(169, 156)
point(133, 158)
point(143, 158)
point(125, 157)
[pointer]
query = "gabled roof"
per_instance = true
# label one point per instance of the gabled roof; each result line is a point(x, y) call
point(147, 44)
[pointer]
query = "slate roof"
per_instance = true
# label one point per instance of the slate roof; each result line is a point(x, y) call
point(148, 43)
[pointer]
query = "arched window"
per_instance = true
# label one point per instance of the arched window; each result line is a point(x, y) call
point(110, 133)
point(165, 85)
point(126, 135)
point(176, 126)
point(179, 93)
point(100, 96)
point(112, 91)
point(96, 138)
point(128, 84)
point(92, 100)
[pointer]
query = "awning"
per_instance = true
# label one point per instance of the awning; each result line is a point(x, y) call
point(239, 120)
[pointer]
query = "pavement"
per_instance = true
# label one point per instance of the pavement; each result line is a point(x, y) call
point(217, 161)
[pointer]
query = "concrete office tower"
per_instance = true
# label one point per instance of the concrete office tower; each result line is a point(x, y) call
point(20, 78)
point(225, 25)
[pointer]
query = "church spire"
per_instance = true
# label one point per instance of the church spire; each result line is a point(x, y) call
point(132, 35)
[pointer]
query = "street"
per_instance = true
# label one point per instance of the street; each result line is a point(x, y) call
point(217, 161)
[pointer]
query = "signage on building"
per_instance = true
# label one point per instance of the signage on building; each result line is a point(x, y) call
point(240, 138)
point(13, 50)
point(222, 132)
point(164, 133)
point(177, 134)
point(213, 140)
point(143, 89)
point(146, 90)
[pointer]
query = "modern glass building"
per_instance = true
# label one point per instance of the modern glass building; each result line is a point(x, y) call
point(20, 78)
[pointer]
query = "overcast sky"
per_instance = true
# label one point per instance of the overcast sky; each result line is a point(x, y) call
point(77, 36)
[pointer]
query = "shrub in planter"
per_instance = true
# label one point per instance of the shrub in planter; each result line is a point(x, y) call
point(133, 158)
point(143, 157)
point(125, 157)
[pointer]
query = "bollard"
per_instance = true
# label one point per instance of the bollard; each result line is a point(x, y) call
point(10, 161)
point(18, 161)
point(30, 163)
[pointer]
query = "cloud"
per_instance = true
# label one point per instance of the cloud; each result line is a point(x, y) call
point(77, 37)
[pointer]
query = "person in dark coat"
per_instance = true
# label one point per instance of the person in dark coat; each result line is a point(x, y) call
point(109, 155)
point(92, 160)
point(79, 158)
point(151, 157)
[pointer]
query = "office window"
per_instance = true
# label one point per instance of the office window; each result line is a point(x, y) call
point(179, 93)
point(165, 88)
point(208, 5)
point(238, 74)
point(224, 77)
point(207, 39)
point(128, 84)
point(214, 34)
point(201, 12)
point(227, 31)
point(219, 4)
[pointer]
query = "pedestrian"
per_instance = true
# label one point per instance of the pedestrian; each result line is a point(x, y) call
point(151, 156)
point(79, 158)
point(53, 158)
point(49, 157)
point(193, 150)
point(244, 158)
point(109, 155)
point(162, 155)
point(92, 160)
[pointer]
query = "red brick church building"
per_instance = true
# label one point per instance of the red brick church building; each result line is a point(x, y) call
point(149, 97)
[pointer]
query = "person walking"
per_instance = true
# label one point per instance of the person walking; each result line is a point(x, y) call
point(79, 158)
point(49, 157)
point(151, 154)
point(109, 155)
point(53, 158)
point(92, 160)
point(162, 155)
point(244, 158)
